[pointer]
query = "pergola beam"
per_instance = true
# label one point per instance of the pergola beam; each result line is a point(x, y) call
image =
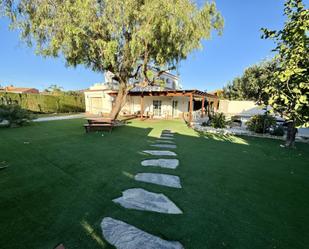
point(190, 108)
point(203, 106)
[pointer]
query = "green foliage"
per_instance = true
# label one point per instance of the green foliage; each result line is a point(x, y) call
point(277, 131)
point(114, 35)
point(289, 89)
point(120, 36)
point(14, 115)
point(54, 89)
point(45, 103)
point(250, 86)
point(261, 123)
point(218, 120)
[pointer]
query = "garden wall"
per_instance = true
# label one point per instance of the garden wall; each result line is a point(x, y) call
point(45, 103)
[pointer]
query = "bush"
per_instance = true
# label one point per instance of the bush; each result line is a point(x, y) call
point(277, 131)
point(13, 115)
point(261, 123)
point(45, 103)
point(218, 120)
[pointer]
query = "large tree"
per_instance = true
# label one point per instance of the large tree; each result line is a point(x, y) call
point(120, 36)
point(289, 89)
point(251, 84)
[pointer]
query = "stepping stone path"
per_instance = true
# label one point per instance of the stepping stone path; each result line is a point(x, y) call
point(163, 163)
point(160, 179)
point(140, 199)
point(160, 152)
point(125, 236)
point(169, 146)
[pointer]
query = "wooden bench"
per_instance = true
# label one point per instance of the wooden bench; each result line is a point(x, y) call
point(99, 124)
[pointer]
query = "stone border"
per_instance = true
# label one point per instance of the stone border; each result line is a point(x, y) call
point(238, 132)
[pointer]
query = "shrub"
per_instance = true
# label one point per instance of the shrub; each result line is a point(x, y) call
point(45, 103)
point(261, 123)
point(204, 124)
point(14, 115)
point(277, 131)
point(218, 120)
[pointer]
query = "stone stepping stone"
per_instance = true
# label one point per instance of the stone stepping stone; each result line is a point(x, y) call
point(166, 138)
point(125, 236)
point(160, 152)
point(169, 146)
point(140, 199)
point(61, 246)
point(167, 131)
point(159, 179)
point(167, 135)
point(163, 163)
point(165, 141)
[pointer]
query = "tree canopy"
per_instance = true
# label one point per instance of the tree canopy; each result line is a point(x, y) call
point(251, 84)
point(54, 89)
point(120, 36)
point(289, 90)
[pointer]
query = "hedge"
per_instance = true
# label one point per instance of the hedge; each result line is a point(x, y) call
point(45, 103)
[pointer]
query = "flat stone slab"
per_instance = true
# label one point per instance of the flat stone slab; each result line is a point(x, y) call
point(167, 130)
point(169, 146)
point(163, 163)
point(166, 138)
point(165, 141)
point(140, 199)
point(159, 179)
point(61, 246)
point(167, 135)
point(160, 152)
point(125, 236)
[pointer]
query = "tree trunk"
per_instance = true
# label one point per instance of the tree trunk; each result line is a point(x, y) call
point(120, 100)
point(291, 133)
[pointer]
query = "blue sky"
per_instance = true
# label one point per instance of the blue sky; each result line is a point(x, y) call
point(222, 58)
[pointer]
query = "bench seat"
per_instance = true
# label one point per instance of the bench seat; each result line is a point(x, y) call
point(98, 127)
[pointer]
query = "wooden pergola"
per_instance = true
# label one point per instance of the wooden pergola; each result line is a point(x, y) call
point(177, 93)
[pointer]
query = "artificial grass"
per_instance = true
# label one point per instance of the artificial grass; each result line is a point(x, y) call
point(237, 192)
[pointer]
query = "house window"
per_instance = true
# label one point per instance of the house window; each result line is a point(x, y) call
point(157, 107)
point(173, 84)
point(175, 108)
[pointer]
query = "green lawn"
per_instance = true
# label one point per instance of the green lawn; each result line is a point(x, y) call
point(237, 192)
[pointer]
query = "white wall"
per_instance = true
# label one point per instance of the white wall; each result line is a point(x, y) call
point(234, 107)
point(106, 104)
point(133, 104)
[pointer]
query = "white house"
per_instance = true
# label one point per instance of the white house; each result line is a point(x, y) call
point(167, 100)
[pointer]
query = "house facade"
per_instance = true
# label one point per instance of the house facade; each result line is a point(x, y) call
point(165, 101)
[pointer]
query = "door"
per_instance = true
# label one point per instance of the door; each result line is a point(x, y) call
point(157, 108)
point(175, 108)
point(96, 105)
